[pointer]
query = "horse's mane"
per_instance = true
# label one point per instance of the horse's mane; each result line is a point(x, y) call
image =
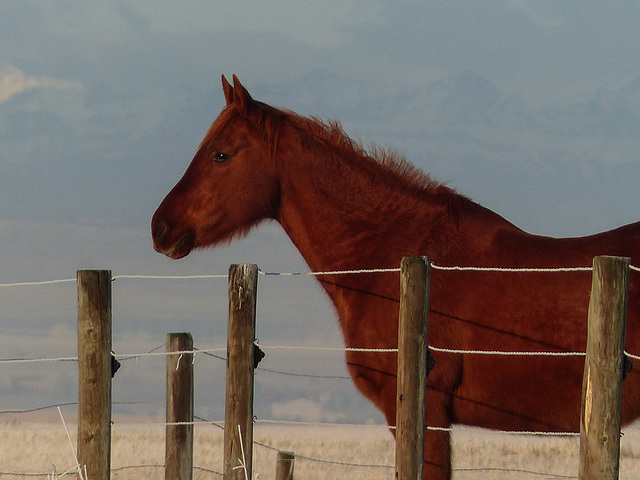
point(392, 168)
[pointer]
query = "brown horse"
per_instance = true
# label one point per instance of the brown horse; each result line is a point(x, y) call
point(345, 208)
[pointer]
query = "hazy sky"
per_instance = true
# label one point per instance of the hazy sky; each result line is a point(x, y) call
point(531, 108)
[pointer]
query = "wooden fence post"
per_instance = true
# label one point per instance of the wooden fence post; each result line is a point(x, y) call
point(238, 422)
point(179, 438)
point(284, 465)
point(412, 367)
point(603, 370)
point(94, 374)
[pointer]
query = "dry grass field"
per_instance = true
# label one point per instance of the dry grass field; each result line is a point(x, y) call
point(41, 449)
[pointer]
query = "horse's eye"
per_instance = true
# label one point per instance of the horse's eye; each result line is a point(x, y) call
point(221, 157)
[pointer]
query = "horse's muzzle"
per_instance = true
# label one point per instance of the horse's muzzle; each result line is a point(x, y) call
point(164, 242)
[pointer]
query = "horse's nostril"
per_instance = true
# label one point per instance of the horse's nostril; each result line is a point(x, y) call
point(159, 230)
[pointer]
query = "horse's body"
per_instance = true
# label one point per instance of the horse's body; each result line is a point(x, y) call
point(346, 210)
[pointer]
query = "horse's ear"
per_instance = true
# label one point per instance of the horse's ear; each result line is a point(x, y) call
point(228, 90)
point(241, 97)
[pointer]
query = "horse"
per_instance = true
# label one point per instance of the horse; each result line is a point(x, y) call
point(345, 207)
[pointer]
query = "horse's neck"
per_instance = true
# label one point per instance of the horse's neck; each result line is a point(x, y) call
point(339, 220)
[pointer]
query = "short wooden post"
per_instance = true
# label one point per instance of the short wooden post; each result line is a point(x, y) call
point(238, 423)
point(284, 465)
point(94, 374)
point(603, 370)
point(179, 438)
point(412, 367)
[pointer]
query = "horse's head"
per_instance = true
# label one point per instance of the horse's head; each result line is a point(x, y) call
point(229, 186)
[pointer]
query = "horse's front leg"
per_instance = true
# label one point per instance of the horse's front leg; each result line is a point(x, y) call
point(437, 445)
point(443, 378)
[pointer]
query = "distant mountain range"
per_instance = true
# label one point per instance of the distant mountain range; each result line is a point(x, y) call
point(466, 109)
point(461, 128)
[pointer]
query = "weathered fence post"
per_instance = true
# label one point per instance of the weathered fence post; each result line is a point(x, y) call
point(94, 374)
point(412, 367)
point(284, 465)
point(179, 438)
point(238, 421)
point(603, 370)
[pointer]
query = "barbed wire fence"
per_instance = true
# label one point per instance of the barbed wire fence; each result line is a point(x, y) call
point(212, 352)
